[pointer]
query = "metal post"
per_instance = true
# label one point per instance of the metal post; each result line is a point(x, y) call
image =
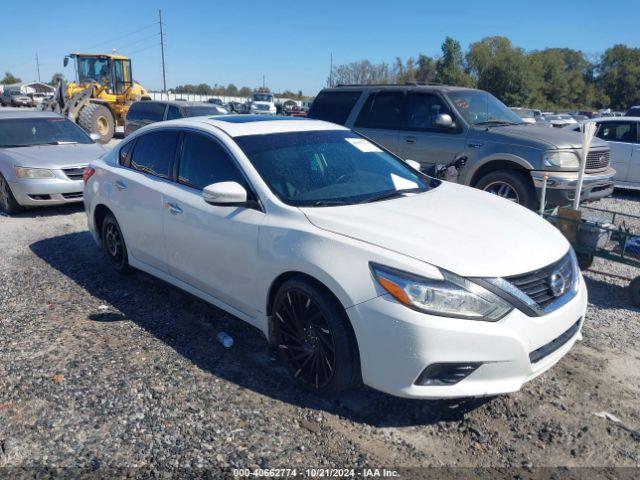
point(38, 66)
point(331, 71)
point(543, 194)
point(164, 76)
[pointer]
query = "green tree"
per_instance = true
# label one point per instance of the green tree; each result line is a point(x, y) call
point(56, 78)
point(619, 76)
point(244, 92)
point(232, 90)
point(9, 79)
point(426, 70)
point(450, 67)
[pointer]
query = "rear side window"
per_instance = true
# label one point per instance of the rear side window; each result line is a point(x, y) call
point(154, 152)
point(145, 110)
point(633, 112)
point(382, 110)
point(617, 132)
point(334, 106)
point(204, 161)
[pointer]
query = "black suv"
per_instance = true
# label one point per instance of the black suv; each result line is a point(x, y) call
point(145, 112)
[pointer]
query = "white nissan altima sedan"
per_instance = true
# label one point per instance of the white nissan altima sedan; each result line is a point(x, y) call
point(357, 267)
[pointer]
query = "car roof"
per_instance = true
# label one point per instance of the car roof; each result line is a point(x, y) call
point(242, 125)
point(5, 114)
point(613, 119)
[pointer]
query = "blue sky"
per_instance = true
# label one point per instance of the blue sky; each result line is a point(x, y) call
point(290, 42)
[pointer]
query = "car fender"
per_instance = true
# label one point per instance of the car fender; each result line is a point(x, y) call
point(468, 175)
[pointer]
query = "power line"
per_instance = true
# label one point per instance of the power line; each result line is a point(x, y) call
point(120, 37)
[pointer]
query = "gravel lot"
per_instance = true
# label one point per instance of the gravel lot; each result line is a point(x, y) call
point(99, 370)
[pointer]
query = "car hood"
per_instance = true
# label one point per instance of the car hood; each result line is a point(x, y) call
point(463, 230)
point(53, 156)
point(542, 136)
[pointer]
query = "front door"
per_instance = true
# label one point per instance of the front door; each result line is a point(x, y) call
point(421, 139)
point(621, 137)
point(212, 248)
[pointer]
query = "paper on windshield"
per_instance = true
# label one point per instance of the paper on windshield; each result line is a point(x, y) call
point(402, 183)
point(363, 145)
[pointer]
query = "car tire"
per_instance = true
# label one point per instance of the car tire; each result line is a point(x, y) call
point(8, 202)
point(585, 260)
point(314, 339)
point(96, 118)
point(510, 184)
point(634, 291)
point(114, 244)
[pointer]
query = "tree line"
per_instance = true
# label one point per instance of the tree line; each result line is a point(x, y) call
point(229, 91)
point(549, 79)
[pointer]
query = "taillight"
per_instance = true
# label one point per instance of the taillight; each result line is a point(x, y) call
point(87, 174)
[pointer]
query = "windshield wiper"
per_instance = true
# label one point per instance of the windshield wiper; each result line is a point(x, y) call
point(391, 194)
point(330, 203)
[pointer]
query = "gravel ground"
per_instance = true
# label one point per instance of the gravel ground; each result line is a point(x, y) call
point(99, 370)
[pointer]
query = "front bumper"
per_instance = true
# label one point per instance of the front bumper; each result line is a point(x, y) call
point(396, 344)
point(49, 191)
point(561, 186)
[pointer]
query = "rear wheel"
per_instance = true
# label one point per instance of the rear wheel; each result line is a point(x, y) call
point(8, 202)
point(584, 260)
point(512, 185)
point(96, 118)
point(314, 339)
point(114, 246)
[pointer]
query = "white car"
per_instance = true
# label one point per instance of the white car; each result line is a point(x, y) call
point(623, 136)
point(355, 265)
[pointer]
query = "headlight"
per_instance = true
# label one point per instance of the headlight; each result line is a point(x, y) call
point(453, 296)
point(26, 172)
point(561, 159)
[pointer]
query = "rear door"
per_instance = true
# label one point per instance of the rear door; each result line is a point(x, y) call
point(421, 139)
point(137, 195)
point(622, 137)
point(634, 164)
point(381, 116)
point(213, 248)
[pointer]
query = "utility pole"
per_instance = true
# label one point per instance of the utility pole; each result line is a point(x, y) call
point(38, 66)
point(164, 74)
point(331, 70)
point(263, 82)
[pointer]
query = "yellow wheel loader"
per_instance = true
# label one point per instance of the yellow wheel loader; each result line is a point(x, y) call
point(99, 98)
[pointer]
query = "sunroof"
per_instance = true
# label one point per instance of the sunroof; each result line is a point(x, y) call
point(253, 118)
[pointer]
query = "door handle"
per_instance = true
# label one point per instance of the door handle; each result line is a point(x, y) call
point(174, 209)
point(410, 139)
point(120, 185)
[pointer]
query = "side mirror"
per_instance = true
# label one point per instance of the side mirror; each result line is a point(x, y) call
point(444, 120)
point(225, 194)
point(94, 136)
point(413, 164)
point(65, 62)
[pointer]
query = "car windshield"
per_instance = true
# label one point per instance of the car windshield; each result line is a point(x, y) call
point(201, 110)
point(26, 132)
point(326, 168)
point(482, 109)
point(262, 97)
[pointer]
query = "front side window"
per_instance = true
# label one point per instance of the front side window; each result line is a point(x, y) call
point(422, 111)
point(173, 112)
point(94, 69)
point(335, 167)
point(154, 152)
point(482, 109)
point(204, 161)
point(382, 110)
point(26, 132)
point(122, 75)
point(624, 132)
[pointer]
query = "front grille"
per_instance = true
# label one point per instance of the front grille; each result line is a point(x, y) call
point(74, 173)
point(598, 160)
point(537, 284)
point(555, 344)
point(262, 107)
point(69, 196)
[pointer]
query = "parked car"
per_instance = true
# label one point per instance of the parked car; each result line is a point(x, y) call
point(560, 120)
point(216, 101)
point(13, 98)
point(432, 124)
point(633, 111)
point(623, 136)
point(146, 112)
point(353, 264)
point(42, 160)
point(526, 114)
point(238, 107)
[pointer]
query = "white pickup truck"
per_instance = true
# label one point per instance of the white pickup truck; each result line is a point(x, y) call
point(262, 103)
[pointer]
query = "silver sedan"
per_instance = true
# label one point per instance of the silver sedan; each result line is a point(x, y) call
point(42, 160)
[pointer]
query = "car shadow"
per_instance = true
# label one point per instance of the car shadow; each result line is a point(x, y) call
point(44, 211)
point(605, 294)
point(190, 325)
